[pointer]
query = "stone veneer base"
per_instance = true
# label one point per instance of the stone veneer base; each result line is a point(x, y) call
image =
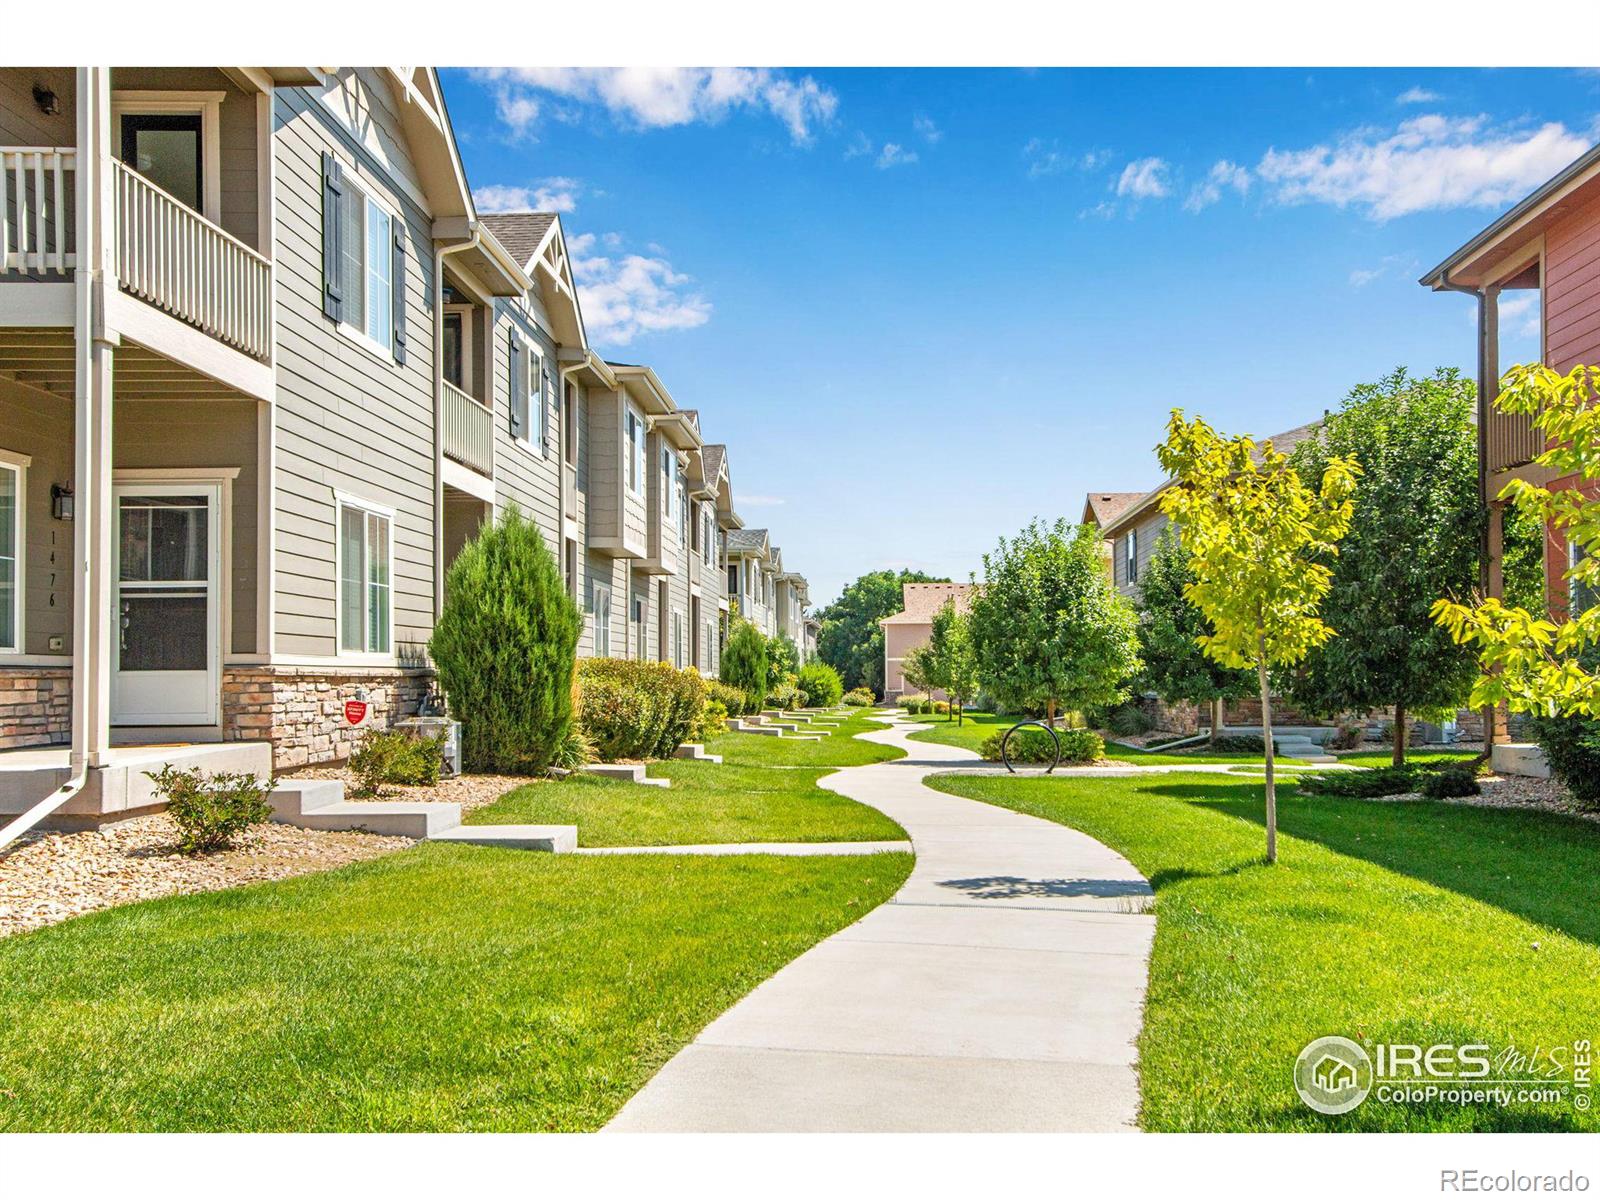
point(301, 709)
point(35, 706)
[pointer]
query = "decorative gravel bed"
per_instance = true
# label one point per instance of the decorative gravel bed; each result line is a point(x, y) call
point(1508, 791)
point(469, 791)
point(49, 877)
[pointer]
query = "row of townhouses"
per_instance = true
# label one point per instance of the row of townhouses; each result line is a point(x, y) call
point(264, 370)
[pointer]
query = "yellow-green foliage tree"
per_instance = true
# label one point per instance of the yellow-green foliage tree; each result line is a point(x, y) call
point(1526, 661)
point(1255, 532)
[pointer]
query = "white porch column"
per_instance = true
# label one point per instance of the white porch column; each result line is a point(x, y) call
point(94, 620)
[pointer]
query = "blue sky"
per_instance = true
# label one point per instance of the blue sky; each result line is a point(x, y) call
point(924, 306)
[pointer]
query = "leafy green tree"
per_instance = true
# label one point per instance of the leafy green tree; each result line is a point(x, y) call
point(1170, 628)
point(744, 664)
point(1048, 628)
point(851, 640)
point(1414, 536)
point(1532, 663)
point(504, 646)
point(917, 669)
point(783, 657)
point(955, 657)
point(1257, 536)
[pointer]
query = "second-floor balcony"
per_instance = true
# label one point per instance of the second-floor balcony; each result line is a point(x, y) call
point(468, 431)
point(164, 252)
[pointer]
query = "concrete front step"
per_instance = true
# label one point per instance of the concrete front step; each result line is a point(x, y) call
point(744, 725)
point(554, 839)
point(320, 804)
point(1302, 748)
point(627, 772)
point(695, 752)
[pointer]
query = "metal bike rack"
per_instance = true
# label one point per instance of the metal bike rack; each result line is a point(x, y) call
point(1055, 740)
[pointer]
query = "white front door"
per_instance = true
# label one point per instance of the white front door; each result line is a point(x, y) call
point(167, 604)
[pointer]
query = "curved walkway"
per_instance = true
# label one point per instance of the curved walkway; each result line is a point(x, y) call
point(1000, 990)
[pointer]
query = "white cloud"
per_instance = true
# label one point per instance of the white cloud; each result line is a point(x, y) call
point(1144, 179)
point(746, 500)
point(626, 295)
point(859, 145)
point(558, 194)
point(893, 155)
point(1047, 158)
point(1519, 314)
point(658, 97)
point(1360, 277)
point(926, 129)
point(1223, 174)
point(1428, 162)
point(1105, 210)
point(1416, 95)
point(1400, 263)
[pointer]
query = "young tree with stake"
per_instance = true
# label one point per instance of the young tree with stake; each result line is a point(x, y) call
point(1256, 534)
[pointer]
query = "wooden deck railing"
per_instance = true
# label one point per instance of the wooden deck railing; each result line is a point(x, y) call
point(468, 431)
point(37, 199)
point(172, 257)
point(1512, 440)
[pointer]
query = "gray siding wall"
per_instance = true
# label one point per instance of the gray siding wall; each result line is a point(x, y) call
point(347, 419)
point(527, 473)
point(1148, 530)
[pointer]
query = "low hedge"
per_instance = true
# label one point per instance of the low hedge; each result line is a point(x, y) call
point(1033, 745)
point(859, 698)
point(821, 684)
point(734, 702)
point(1363, 785)
point(632, 709)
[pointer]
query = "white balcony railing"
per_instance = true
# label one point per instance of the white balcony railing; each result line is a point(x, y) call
point(36, 204)
point(172, 257)
point(468, 431)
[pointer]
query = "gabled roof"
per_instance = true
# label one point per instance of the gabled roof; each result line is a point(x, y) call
point(1504, 244)
point(715, 458)
point(522, 233)
point(1101, 508)
point(539, 246)
point(1283, 443)
point(748, 541)
point(923, 600)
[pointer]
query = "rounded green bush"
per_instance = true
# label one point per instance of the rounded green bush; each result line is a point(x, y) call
point(821, 684)
point(1033, 745)
point(633, 709)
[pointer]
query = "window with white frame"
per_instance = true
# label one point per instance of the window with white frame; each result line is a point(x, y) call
point(633, 424)
point(677, 639)
point(683, 509)
point(366, 265)
point(12, 497)
point(1584, 596)
point(533, 398)
point(1132, 567)
point(601, 606)
point(366, 548)
point(708, 536)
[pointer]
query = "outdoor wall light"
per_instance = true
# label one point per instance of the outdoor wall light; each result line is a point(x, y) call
point(61, 501)
point(49, 103)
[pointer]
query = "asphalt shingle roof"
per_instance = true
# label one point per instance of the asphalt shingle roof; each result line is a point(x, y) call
point(923, 600)
point(520, 233)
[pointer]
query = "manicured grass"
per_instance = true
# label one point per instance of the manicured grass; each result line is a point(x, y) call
point(706, 803)
point(980, 725)
point(1383, 758)
point(838, 748)
point(442, 988)
point(1417, 923)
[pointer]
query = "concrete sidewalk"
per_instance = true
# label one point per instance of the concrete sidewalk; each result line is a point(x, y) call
point(1000, 990)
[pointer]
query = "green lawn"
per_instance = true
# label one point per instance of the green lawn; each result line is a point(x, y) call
point(1382, 758)
point(706, 803)
point(1417, 923)
point(838, 748)
point(979, 725)
point(441, 988)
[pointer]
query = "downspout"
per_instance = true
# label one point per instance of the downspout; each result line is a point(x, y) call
point(1484, 386)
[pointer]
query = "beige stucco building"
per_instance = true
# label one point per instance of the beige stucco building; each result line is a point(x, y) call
point(912, 627)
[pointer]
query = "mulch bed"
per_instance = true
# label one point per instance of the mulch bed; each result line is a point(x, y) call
point(49, 877)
